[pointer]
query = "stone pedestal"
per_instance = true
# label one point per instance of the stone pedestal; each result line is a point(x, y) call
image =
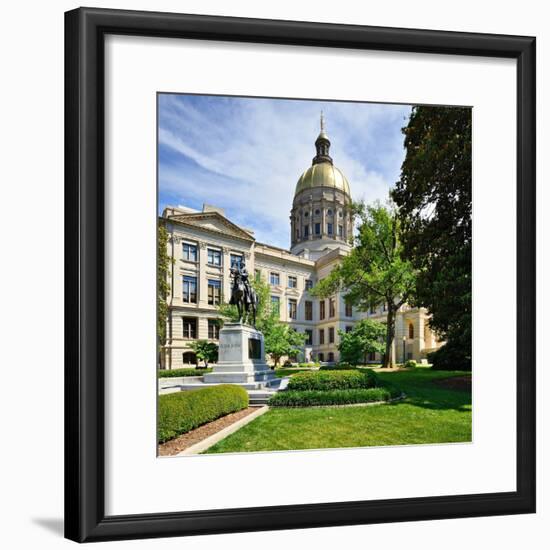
point(241, 358)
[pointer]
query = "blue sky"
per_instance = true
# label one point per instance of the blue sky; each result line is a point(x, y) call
point(246, 154)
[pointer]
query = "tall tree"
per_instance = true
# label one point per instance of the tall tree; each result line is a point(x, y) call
point(434, 197)
point(163, 287)
point(367, 336)
point(374, 272)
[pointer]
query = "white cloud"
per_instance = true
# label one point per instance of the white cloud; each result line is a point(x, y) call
point(246, 155)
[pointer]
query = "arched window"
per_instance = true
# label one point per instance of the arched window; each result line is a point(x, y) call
point(411, 331)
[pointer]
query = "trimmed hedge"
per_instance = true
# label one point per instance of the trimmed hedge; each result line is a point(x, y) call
point(410, 364)
point(332, 380)
point(332, 397)
point(339, 366)
point(180, 412)
point(174, 373)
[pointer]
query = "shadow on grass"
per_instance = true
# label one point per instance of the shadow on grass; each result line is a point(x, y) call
point(422, 392)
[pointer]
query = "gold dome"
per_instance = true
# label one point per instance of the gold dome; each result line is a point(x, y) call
point(322, 174)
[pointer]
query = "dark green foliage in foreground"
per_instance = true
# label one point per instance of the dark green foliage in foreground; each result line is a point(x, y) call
point(331, 397)
point(429, 414)
point(174, 373)
point(434, 196)
point(335, 380)
point(451, 356)
point(181, 412)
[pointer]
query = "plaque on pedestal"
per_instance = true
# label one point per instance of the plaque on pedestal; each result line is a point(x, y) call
point(241, 357)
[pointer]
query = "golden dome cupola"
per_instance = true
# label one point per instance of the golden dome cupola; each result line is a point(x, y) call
point(321, 211)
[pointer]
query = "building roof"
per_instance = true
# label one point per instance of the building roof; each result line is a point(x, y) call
point(323, 174)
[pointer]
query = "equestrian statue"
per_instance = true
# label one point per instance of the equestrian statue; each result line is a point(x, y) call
point(243, 295)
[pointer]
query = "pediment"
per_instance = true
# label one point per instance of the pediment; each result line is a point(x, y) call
point(213, 222)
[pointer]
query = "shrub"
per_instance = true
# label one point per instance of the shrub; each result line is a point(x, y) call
point(333, 397)
point(343, 365)
point(307, 365)
point(335, 380)
point(182, 372)
point(181, 412)
point(410, 364)
point(450, 356)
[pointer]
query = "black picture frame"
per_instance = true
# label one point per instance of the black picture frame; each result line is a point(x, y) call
point(85, 29)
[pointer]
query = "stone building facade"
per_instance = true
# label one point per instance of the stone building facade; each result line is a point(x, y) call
point(203, 245)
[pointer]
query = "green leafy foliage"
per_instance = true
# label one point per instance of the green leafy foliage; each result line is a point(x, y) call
point(451, 356)
point(375, 271)
point(175, 373)
point(163, 287)
point(311, 398)
point(342, 365)
point(332, 380)
point(434, 196)
point(410, 364)
point(205, 351)
point(281, 340)
point(366, 337)
point(181, 412)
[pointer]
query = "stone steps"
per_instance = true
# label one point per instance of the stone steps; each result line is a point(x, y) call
point(257, 398)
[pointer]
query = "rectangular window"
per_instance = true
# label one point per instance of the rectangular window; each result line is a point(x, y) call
point(372, 310)
point(329, 228)
point(309, 284)
point(349, 328)
point(236, 260)
point(292, 281)
point(371, 356)
point(214, 257)
point(332, 307)
point(275, 304)
point(321, 310)
point(321, 336)
point(213, 329)
point(274, 279)
point(214, 292)
point(317, 229)
point(189, 327)
point(309, 311)
point(330, 357)
point(306, 231)
point(189, 252)
point(349, 310)
point(331, 335)
point(292, 309)
point(309, 337)
point(340, 230)
point(190, 289)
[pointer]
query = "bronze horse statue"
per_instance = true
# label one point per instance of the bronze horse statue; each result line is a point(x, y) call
point(243, 295)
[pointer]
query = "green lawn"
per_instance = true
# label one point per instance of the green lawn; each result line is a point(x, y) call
point(430, 414)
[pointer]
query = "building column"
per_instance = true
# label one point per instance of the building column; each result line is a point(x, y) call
point(419, 340)
point(226, 280)
point(202, 281)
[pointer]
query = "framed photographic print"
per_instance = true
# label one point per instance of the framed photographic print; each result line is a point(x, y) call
point(298, 255)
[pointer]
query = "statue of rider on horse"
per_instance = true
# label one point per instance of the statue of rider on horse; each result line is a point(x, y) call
point(243, 295)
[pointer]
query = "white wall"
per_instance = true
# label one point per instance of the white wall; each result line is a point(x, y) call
point(31, 278)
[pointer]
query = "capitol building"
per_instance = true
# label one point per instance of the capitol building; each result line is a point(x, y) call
point(203, 245)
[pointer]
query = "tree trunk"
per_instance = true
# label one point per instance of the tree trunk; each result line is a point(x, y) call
point(389, 360)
